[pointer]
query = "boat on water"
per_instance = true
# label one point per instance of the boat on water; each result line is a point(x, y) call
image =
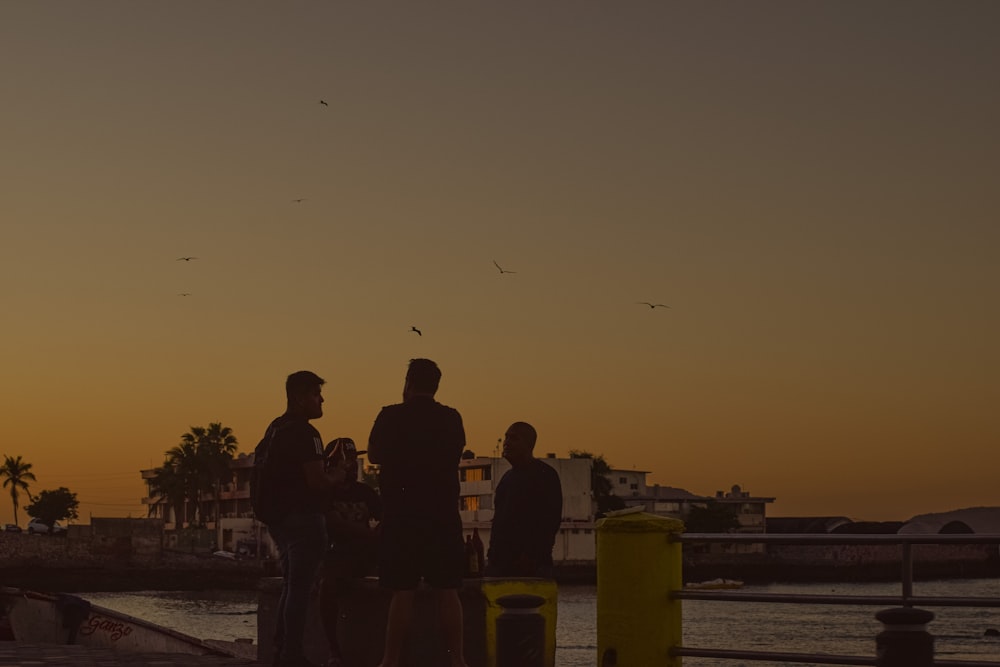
point(44, 618)
point(715, 584)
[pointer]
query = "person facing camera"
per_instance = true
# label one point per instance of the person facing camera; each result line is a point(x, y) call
point(353, 508)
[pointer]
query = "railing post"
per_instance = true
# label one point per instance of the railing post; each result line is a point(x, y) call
point(907, 574)
point(905, 641)
point(637, 568)
point(521, 631)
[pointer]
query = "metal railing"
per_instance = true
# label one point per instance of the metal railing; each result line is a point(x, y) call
point(906, 598)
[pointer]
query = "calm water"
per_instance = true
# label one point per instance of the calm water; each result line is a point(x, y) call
point(849, 630)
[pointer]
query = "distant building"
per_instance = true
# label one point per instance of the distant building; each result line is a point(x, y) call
point(628, 484)
point(981, 520)
point(806, 524)
point(478, 477)
point(751, 511)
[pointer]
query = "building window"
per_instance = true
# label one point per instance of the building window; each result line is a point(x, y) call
point(623, 480)
point(470, 503)
point(473, 474)
point(633, 486)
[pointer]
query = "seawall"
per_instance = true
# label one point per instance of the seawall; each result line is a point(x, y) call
point(138, 562)
point(117, 563)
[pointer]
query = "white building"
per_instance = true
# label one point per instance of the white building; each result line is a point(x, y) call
point(628, 483)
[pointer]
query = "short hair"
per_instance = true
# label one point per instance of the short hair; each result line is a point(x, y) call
point(302, 382)
point(527, 430)
point(423, 375)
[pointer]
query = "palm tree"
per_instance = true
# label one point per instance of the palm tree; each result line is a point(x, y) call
point(16, 474)
point(168, 482)
point(183, 460)
point(197, 466)
point(216, 447)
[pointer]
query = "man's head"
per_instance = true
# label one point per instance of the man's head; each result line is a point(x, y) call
point(304, 392)
point(422, 378)
point(519, 443)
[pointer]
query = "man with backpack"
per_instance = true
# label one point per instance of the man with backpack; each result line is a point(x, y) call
point(288, 489)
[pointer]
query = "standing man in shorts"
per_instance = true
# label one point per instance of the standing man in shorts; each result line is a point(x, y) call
point(418, 444)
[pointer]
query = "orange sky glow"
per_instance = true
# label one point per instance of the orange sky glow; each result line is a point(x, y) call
point(810, 187)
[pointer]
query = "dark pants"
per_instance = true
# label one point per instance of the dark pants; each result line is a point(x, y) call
point(301, 540)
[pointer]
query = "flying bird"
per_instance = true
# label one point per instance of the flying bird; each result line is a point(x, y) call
point(653, 305)
point(184, 294)
point(323, 102)
point(417, 330)
point(186, 259)
point(299, 200)
point(500, 269)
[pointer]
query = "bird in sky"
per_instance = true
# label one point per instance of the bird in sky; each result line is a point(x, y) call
point(186, 259)
point(653, 305)
point(323, 102)
point(417, 330)
point(500, 269)
point(299, 200)
point(184, 294)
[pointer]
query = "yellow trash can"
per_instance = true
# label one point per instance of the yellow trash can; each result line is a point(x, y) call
point(637, 567)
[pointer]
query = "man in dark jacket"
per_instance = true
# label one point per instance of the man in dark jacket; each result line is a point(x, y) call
point(527, 510)
point(418, 444)
point(291, 486)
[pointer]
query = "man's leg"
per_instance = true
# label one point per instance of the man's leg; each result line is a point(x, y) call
point(397, 626)
point(450, 609)
point(278, 535)
point(329, 594)
point(306, 544)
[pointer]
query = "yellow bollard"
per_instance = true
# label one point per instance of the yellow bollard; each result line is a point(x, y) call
point(637, 567)
point(494, 589)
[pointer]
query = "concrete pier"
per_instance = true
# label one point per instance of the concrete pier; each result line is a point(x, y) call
point(15, 654)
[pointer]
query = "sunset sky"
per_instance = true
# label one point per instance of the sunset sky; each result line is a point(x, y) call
point(811, 188)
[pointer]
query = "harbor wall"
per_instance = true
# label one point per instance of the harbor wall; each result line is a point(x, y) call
point(129, 554)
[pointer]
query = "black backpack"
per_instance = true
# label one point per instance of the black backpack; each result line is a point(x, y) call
point(263, 494)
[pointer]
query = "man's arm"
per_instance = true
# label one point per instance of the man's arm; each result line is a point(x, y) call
point(377, 440)
point(318, 480)
point(457, 435)
point(374, 502)
point(551, 504)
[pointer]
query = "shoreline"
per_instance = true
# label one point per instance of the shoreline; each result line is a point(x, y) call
point(246, 575)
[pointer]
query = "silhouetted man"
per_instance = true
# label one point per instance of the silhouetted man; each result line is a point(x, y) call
point(418, 444)
point(289, 488)
point(527, 510)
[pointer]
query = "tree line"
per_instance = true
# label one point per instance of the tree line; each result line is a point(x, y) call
point(48, 506)
point(196, 466)
point(200, 465)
